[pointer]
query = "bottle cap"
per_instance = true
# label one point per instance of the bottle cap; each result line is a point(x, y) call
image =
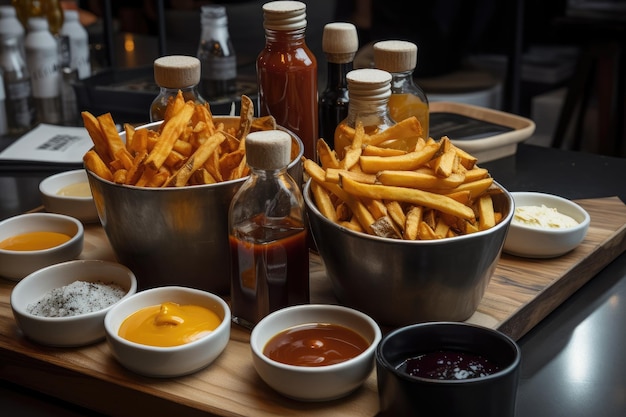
point(177, 71)
point(268, 149)
point(284, 15)
point(395, 56)
point(7, 11)
point(340, 42)
point(37, 24)
point(70, 15)
point(369, 84)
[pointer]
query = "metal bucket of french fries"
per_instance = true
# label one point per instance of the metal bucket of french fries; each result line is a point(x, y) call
point(170, 225)
point(406, 236)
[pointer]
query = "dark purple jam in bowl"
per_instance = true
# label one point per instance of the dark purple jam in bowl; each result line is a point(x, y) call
point(448, 365)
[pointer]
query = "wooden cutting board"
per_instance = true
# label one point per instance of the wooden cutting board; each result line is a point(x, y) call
point(521, 293)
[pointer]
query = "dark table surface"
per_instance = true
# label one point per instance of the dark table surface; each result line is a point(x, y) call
point(573, 362)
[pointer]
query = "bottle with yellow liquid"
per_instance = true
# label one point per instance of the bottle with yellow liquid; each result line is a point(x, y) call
point(369, 90)
point(51, 10)
point(407, 99)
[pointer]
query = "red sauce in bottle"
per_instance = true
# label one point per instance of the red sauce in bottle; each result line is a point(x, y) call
point(315, 344)
point(287, 78)
point(268, 276)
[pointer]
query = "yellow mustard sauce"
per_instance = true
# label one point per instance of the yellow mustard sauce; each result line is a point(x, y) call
point(169, 324)
point(34, 241)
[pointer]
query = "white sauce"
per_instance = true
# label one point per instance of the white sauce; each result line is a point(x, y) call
point(542, 217)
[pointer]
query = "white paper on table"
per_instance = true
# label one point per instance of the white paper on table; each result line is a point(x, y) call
point(50, 144)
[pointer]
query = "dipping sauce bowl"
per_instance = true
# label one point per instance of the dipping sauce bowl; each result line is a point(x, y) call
point(302, 381)
point(414, 379)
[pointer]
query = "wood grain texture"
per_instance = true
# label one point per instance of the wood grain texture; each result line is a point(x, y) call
point(521, 293)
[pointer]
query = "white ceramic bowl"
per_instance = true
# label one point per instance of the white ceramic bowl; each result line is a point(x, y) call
point(67, 331)
point(15, 265)
point(314, 383)
point(82, 208)
point(172, 361)
point(534, 242)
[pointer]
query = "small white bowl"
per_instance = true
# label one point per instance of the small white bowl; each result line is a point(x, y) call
point(15, 265)
point(70, 331)
point(82, 208)
point(320, 383)
point(535, 242)
point(164, 362)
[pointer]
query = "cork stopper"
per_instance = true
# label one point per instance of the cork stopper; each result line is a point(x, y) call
point(284, 15)
point(177, 71)
point(395, 56)
point(268, 149)
point(340, 42)
point(369, 84)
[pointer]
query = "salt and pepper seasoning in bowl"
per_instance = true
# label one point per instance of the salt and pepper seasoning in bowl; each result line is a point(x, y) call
point(267, 233)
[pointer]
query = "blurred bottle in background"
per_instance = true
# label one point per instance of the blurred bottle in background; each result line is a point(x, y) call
point(43, 63)
point(3, 113)
point(216, 54)
point(10, 26)
point(78, 43)
point(407, 99)
point(339, 43)
point(20, 108)
point(51, 10)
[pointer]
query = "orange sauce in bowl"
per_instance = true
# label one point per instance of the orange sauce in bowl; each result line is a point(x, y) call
point(169, 324)
point(34, 241)
point(315, 344)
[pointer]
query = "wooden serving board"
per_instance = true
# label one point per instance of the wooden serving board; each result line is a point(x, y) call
point(521, 293)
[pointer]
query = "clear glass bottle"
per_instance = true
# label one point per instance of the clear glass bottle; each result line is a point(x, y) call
point(340, 42)
point(267, 233)
point(42, 61)
point(216, 54)
point(173, 73)
point(78, 43)
point(407, 98)
point(20, 107)
point(287, 73)
point(369, 90)
point(4, 127)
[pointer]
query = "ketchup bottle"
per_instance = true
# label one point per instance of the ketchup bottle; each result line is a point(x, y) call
point(267, 233)
point(287, 73)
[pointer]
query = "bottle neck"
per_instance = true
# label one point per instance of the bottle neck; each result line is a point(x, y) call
point(337, 74)
point(370, 112)
point(401, 80)
point(292, 37)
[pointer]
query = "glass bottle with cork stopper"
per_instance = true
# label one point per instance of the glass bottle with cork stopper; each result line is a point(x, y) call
point(267, 233)
point(369, 90)
point(340, 42)
point(173, 73)
point(407, 99)
point(287, 73)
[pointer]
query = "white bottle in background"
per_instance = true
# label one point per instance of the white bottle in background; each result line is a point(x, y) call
point(79, 43)
point(11, 27)
point(4, 127)
point(42, 61)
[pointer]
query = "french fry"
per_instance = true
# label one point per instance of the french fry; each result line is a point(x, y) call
point(170, 132)
point(408, 195)
point(196, 160)
point(95, 164)
point(408, 161)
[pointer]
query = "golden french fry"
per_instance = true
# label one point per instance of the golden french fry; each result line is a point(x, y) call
point(353, 153)
point(327, 157)
point(408, 161)
point(332, 175)
point(409, 127)
point(229, 162)
point(196, 160)
point(109, 131)
point(119, 176)
point(394, 209)
point(408, 195)
point(246, 114)
point(323, 201)
point(418, 179)
point(95, 164)
point(171, 130)
point(412, 221)
point(371, 150)
point(486, 216)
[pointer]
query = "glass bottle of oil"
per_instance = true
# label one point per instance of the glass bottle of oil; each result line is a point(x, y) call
point(399, 58)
